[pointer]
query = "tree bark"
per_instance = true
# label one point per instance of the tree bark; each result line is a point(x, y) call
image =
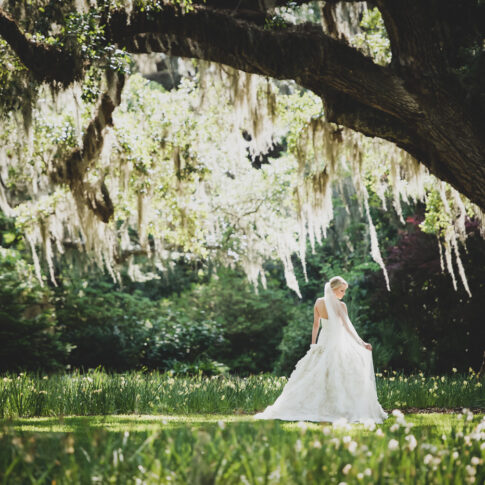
point(46, 62)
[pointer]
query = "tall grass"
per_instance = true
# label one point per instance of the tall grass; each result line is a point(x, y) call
point(249, 453)
point(97, 392)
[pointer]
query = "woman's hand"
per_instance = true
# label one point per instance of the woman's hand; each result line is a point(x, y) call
point(368, 346)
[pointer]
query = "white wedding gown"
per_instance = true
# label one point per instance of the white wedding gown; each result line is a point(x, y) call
point(334, 380)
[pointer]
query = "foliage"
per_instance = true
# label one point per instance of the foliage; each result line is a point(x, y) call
point(424, 323)
point(174, 278)
point(251, 322)
point(10, 237)
point(295, 340)
point(123, 331)
point(104, 326)
point(374, 36)
point(101, 393)
point(28, 335)
point(184, 344)
point(438, 216)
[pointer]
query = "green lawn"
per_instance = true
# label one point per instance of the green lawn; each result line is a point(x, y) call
point(230, 448)
point(153, 428)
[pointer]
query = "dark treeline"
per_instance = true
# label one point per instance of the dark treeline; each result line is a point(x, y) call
point(198, 316)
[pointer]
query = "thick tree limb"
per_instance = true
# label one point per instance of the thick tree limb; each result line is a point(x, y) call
point(303, 53)
point(73, 170)
point(345, 111)
point(46, 62)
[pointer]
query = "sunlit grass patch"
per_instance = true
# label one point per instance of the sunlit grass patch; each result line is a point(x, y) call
point(431, 423)
point(122, 423)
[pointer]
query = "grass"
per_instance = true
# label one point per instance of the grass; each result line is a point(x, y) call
point(100, 393)
point(154, 428)
point(435, 423)
point(230, 449)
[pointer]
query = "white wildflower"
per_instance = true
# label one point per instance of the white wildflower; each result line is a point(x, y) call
point(275, 475)
point(341, 423)
point(393, 445)
point(346, 468)
point(412, 443)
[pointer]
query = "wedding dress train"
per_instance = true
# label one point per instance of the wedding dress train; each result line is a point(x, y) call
point(334, 380)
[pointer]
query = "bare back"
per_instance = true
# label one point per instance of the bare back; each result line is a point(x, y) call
point(320, 308)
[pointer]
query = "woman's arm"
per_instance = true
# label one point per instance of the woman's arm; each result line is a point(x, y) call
point(316, 324)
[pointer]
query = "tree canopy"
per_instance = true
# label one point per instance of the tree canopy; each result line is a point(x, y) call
point(406, 72)
point(428, 99)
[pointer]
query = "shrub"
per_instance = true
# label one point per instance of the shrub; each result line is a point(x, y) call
point(252, 323)
point(104, 326)
point(185, 345)
point(120, 331)
point(28, 334)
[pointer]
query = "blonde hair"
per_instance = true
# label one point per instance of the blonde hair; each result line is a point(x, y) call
point(336, 282)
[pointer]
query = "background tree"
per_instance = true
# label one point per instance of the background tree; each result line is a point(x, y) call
point(217, 166)
point(428, 100)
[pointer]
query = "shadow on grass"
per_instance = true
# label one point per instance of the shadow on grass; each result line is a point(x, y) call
point(422, 424)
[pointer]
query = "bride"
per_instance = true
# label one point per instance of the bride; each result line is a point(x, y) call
point(335, 379)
